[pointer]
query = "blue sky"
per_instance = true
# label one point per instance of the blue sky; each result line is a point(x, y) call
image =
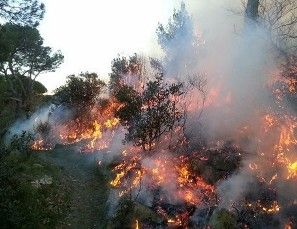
point(91, 33)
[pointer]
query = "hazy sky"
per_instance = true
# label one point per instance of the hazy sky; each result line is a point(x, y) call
point(91, 33)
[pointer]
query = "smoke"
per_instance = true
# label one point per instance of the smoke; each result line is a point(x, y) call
point(235, 63)
point(238, 62)
point(234, 188)
point(28, 125)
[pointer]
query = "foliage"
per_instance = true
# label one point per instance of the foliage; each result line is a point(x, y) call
point(43, 129)
point(6, 114)
point(80, 92)
point(151, 113)
point(24, 205)
point(289, 70)
point(179, 26)
point(131, 101)
point(124, 214)
point(221, 163)
point(23, 52)
point(178, 41)
point(251, 11)
point(122, 66)
point(23, 58)
point(22, 142)
point(223, 219)
point(23, 12)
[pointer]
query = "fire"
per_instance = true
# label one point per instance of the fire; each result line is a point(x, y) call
point(289, 226)
point(97, 130)
point(174, 222)
point(270, 121)
point(287, 136)
point(40, 145)
point(269, 209)
point(110, 123)
point(123, 169)
point(292, 170)
point(159, 169)
point(137, 224)
point(160, 172)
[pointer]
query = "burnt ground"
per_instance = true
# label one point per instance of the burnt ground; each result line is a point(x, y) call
point(87, 187)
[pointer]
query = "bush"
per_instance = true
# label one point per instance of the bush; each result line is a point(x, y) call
point(222, 219)
point(24, 205)
point(22, 143)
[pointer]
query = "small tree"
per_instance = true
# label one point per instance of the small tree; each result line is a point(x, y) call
point(126, 71)
point(150, 114)
point(178, 41)
point(80, 92)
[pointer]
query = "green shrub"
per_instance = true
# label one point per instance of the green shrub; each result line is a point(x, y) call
point(223, 219)
point(22, 204)
point(22, 143)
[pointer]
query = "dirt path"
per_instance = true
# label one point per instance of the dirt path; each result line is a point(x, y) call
point(88, 189)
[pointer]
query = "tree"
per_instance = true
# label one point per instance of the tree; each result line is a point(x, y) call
point(22, 12)
point(126, 71)
point(279, 18)
point(23, 57)
point(149, 114)
point(179, 43)
point(80, 92)
point(252, 10)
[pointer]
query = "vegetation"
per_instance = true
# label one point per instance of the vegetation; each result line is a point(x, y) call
point(22, 12)
point(80, 92)
point(37, 190)
point(150, 114)
point(32, 193)
point(23, 58)
point(223, 219)
point(122, 67)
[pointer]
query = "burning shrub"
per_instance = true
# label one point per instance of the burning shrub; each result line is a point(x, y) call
point(150, 114)
point(43, 137)
point(126, 71)
point(216, 164)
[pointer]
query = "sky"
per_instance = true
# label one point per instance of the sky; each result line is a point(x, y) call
point(91, 33)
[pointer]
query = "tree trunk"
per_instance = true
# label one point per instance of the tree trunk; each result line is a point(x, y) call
point(252, 10)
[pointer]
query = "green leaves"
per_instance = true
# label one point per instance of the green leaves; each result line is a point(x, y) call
point(22, 12)
point(122, 66)
point(80, 91)
point(151, 113)
point(23, 53)
point(23, 57)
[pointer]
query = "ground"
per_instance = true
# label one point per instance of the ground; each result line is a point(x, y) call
point(62, 188)
point(87, 184)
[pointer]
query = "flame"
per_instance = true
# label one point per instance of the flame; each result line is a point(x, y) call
point(96, 130)
point(39, 145)
point(137, 224)
point(292, 170)
point(288, 226)
point(269, 209)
